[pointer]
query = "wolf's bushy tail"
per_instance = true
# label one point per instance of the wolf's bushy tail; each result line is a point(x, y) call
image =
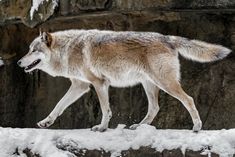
point(198, 50)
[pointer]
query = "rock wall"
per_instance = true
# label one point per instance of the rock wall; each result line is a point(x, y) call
point(25, 99)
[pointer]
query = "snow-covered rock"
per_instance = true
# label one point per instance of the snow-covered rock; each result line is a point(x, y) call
point(1, 62)
point(37, 3)
point(48, 143)
point(30, 12)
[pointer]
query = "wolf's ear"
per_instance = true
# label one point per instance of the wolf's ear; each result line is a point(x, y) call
point(47, 38)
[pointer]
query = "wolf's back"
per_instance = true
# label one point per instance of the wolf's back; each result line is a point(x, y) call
point(198, 50)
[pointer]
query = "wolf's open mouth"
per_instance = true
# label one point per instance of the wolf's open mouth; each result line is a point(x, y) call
point(33, 64)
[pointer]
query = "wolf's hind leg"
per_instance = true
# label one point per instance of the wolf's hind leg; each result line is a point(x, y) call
point(103, 95)
point(173, 87)
point(76, 90)
point(152, 92)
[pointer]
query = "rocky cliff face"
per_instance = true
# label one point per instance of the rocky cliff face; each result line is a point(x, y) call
point(25, 99)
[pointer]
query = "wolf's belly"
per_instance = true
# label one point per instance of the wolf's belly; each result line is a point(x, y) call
point(125, 80)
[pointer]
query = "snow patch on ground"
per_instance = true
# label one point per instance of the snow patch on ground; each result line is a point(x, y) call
point(37, 3)
point(44, 141)
point(1, 61)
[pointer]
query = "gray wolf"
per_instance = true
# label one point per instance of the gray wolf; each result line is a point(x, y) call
point(119, 59)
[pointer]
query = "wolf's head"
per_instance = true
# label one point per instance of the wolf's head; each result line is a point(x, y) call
point(39, 53)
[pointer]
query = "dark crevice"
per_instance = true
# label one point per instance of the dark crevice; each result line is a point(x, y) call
point(29, 153)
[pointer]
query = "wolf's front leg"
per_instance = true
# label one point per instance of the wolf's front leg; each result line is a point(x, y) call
point(76, 90)
point(102, 92)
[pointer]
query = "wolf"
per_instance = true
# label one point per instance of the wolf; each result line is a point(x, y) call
point(119, 59)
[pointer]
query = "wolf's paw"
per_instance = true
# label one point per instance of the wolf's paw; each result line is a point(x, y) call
point(134, 126)
point(99, 128)
point(197, 126)
point(46, 122)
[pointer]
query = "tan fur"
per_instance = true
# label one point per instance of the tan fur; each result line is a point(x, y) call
point(120, 59)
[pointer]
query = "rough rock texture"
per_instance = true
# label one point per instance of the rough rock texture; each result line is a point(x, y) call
point(25, 99)
point(145, 152)
point(78, 6)
point(19, 10)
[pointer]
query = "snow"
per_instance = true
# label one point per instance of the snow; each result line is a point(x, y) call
point(45, 142)
point(37, 3)
point(1, 61)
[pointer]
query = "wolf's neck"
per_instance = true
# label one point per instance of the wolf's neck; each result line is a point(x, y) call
point(59, 45)
point(59, 66)
point(56, 66)
point(64, 62)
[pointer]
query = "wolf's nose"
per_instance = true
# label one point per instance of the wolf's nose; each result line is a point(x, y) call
point(19, 62)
